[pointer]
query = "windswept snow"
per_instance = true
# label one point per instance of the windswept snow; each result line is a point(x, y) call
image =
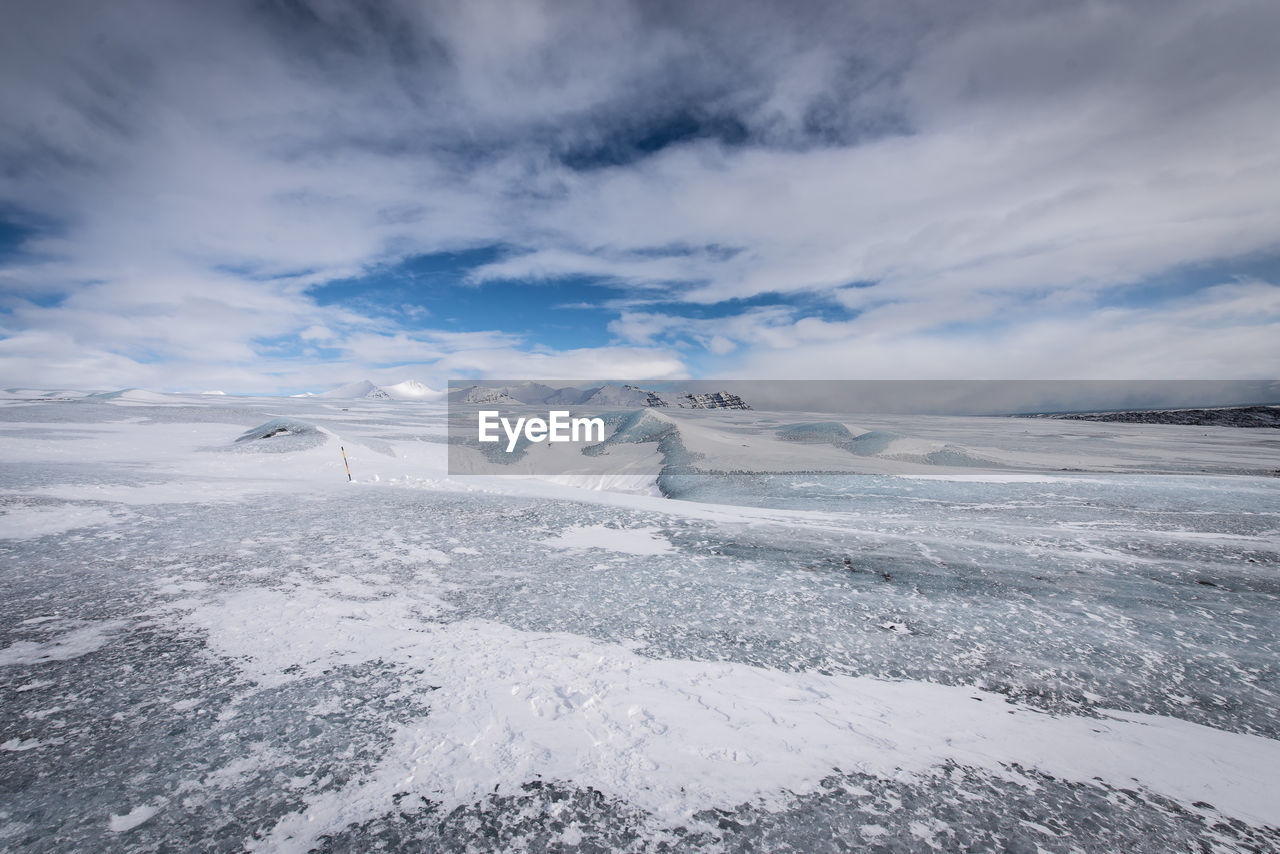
point(63, 647)
point(632, 541)
point(17, 745)
point(861, 641)
point(677, 737)
point(26, 521)
point(134, 817)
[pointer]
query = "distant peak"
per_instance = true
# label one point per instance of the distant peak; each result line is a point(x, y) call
point(361, 389)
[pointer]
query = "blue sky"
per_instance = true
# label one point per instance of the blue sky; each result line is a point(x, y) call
point(429, 290)
point(559, 312)
point(284, 197)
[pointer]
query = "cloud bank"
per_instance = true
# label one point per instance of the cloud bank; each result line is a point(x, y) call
point(863, 190)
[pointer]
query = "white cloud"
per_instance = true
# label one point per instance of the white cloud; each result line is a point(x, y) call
point(1201, 336)
point(192, 171)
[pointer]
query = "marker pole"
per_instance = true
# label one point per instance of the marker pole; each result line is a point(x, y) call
point(345, 463)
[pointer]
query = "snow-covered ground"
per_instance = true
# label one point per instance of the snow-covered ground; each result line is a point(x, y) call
point(997, 633)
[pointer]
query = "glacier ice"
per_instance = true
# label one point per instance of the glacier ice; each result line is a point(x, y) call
point(232, 650)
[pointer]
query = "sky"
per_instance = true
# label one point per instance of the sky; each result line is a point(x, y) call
point(287, 195)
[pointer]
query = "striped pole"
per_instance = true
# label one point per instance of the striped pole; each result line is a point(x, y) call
point(345, 463)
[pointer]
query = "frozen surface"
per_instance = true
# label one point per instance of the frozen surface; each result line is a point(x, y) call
point(203, 647)
point(630, 540)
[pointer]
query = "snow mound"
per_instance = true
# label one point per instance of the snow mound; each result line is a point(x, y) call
point(636, 428)
point(644, 426)
point(281, 435)
point(818, 432)
point(44, 394)
point(131, 395)
point(872, 442)
point(955, 455)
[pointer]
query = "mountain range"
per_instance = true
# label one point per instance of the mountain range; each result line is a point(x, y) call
point(407, 390)
point(607, 395)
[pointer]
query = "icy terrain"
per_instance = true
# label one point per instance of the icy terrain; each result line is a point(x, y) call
point(985, 633)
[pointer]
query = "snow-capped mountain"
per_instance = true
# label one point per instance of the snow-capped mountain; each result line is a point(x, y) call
point(364, 389)
point(356, 390)
point(483, 394)
point(530, 392)
point(624, 396)
point(569, 396)
point(710, 400)
point(629, 395)
point(412, 390)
